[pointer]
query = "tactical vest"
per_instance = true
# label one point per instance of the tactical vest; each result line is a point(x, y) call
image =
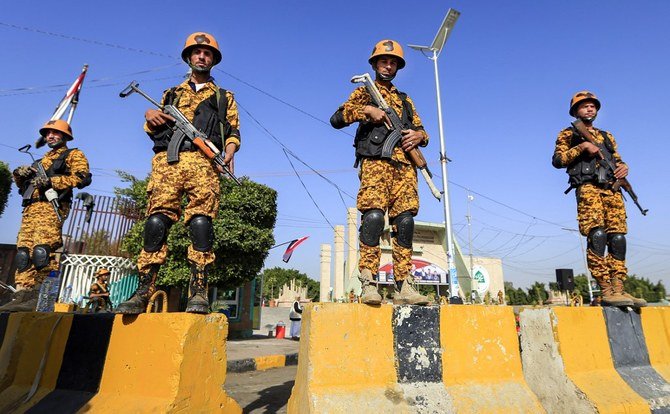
point(58, 168)
point(586, 169)
point(370, 137)
point(210, 118)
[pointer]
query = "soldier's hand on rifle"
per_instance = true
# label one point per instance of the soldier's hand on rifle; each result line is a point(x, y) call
point(229, 158)
point(41, 182)
point(591, 149)
point(25, 172)
point(411, 139)
point(376, 115)
point(621, 171)
point(156, 118)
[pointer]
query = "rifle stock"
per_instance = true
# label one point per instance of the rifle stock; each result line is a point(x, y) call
point(619, 183)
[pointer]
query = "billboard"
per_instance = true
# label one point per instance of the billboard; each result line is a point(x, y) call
point(423, 272)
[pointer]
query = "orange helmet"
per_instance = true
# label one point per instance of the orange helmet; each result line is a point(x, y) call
point(388, 47)
point(102, 271)
point(200, 39)
point(56, 125)
point(580, 97)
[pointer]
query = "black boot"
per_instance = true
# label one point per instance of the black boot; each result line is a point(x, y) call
point(197, 300)
point(138, 302)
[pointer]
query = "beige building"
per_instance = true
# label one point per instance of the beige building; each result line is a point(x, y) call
point(429, 263)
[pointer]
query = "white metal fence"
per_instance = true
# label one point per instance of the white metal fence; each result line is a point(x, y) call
point(78, 274)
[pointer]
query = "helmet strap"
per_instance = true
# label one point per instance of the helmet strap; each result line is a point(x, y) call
point(56, 144)
point(385, 78)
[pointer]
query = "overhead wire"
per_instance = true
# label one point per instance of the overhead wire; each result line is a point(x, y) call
point(287, 152)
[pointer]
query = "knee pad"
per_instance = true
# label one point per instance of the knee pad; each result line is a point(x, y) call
point(372, 226)
point(41, 254)
point(22, 259)
point(596, 241)
point(202, 233)
point(156, 232)
point(404, 229)
point(616, 245)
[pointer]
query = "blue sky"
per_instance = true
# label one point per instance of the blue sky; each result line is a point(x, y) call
point(507, 74)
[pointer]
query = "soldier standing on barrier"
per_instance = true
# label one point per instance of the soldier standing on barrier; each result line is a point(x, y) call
point(213, 111)
point(600, 210)
point(41, 231)
point(387, 185)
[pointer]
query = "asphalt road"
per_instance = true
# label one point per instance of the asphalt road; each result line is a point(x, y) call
point(262, 391)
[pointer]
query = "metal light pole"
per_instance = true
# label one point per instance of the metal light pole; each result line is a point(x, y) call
point(435, 48)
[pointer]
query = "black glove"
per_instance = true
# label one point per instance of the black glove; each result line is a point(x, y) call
point(41, 182)
point(25, 172)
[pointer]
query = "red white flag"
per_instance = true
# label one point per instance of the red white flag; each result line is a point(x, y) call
point(70, 95)
point(292, 246)
point(70, 99)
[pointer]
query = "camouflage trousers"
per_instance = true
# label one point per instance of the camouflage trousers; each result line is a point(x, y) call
point(193, 176)
point(599, 207)
point(40, 225)
point(391, 187)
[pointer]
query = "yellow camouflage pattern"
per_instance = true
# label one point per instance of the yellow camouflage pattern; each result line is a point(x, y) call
point(390, 187)
point(352, 111)
point(76, 162)
point(40, 225)
point(188, 100)
point(596, 206)
point(565, 154)
point(194, 176)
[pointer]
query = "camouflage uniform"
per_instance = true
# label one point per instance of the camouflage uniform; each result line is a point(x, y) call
point(387, 185)
point(194, 175)
point(40, 225)
point(596, 206)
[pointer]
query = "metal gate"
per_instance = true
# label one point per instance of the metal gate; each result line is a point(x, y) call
point(92, 239)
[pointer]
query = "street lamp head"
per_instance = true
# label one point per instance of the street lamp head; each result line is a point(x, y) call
point(445, 30)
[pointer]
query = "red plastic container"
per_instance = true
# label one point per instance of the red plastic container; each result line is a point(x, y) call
point(280, 331)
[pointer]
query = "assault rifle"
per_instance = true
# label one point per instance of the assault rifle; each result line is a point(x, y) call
point(395, 132)
point(183, 129)
point(50, 194)
point(605, 163)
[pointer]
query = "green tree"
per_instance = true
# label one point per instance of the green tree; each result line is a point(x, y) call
point(643, 288)
point(5, 186)
point(276, 277)
point(582, 285)
point(537, 294)
point(242, 233)
point(515, 296)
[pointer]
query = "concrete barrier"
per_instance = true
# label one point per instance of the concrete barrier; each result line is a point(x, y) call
point(571, 347)
point(30, 357)
point(656, 328)
point(407, 359)
point(481, 361)
point(346, 361)
point(111, 363)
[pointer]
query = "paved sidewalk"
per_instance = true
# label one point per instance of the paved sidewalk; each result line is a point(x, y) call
point(260, 352)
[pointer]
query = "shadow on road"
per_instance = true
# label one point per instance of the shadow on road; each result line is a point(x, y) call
point(270, 399)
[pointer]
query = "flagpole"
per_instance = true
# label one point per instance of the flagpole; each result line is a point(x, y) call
point(75, 98)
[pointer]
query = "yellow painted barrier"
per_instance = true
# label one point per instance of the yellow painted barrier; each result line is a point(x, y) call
point(481, 364)
point(346, 362)
point(30, 357)
point(584, 347)
point(656, 328)
point(167, 363)
point(270, 361)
